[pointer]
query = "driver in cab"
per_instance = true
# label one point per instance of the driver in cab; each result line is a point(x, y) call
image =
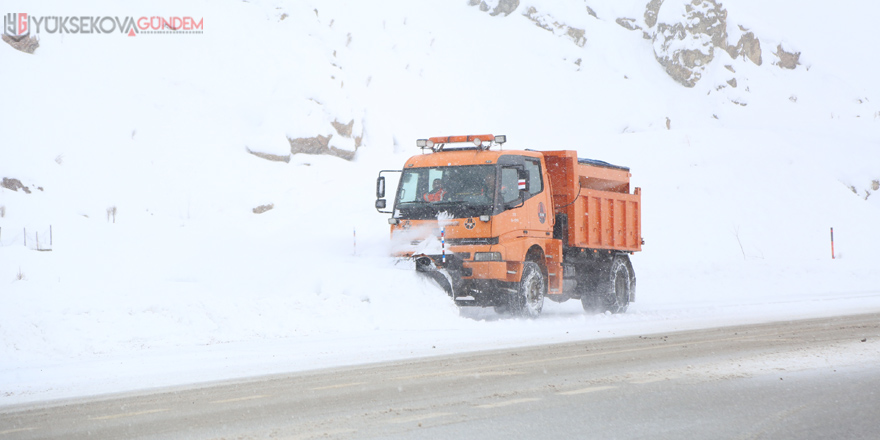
point(437, 192)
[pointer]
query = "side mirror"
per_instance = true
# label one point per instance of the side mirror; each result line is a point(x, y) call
point(380, 189)
point(380, 204)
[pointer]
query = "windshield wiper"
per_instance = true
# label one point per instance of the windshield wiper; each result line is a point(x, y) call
point(410, 205)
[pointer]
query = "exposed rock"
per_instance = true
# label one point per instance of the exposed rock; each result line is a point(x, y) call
point(545, 22)
point(263, 208)
point(592, 12)
point(749, 47)
point(505, 7)
point(686, 47)
point(318, 145)
point(14, 184)
point(628, 23)
point(268, 156)
point(321, 144)
point(732, 82)
point(651, 11)
point(25, 43)
point(576, 35)
point(712, 21)
point(787, 60)
point(343, 130)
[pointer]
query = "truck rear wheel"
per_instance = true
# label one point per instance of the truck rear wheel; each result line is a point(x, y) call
point(614, 288)
point(529, 297)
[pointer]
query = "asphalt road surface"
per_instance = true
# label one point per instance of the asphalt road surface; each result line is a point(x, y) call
point(815, 378)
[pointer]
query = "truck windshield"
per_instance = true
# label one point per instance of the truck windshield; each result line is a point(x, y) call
point(462, 191)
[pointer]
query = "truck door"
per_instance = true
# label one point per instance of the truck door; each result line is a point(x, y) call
point(540, 215)
point(535, 212)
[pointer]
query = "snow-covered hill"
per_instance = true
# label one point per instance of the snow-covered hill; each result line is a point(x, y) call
point(191, 239)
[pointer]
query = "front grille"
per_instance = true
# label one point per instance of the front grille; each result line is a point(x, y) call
point(471, 241)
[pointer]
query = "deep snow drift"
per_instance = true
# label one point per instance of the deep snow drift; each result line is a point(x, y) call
point(135, 152)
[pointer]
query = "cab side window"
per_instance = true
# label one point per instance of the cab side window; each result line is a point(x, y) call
point(535, 183)
point(509, 188)
point(409, 187)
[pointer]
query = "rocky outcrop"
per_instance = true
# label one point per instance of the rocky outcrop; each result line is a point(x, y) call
point(546, 22)
point(685, 48)
point(268, 156)
point(26, 44)
point(748, 46)
point(787, 60)
point(320, 144)
point(263, 208)
point(628, 23)
point(651, 11)
point(685, 36)
point(505, 7)
point(14, 184)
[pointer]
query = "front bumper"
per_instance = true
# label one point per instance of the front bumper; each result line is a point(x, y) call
point(507, 271)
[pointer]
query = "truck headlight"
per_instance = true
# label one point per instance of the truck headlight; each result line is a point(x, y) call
point(487, 256)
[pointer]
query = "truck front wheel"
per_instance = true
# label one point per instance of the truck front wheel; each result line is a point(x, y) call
point(529, 297)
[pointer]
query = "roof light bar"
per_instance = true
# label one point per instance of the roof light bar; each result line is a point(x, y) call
point(459, 139)
point(482, 141)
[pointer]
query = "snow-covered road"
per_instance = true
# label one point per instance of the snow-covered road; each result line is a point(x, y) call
point(763, 380)
point(475, 330)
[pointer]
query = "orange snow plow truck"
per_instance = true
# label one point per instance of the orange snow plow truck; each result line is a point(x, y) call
point(509, 228)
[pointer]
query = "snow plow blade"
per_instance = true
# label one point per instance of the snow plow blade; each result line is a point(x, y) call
point(426, 267)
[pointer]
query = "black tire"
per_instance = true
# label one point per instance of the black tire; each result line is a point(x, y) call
point(503, 309)
point(614, 288)
point(528, 301)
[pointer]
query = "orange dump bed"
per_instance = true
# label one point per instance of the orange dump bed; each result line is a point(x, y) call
point(600, 212)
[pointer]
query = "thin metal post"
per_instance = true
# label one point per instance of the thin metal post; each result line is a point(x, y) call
point(443, 244)
point(832, 243)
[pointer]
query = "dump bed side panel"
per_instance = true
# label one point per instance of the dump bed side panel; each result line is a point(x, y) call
point(595, 198)
point(611, 221)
